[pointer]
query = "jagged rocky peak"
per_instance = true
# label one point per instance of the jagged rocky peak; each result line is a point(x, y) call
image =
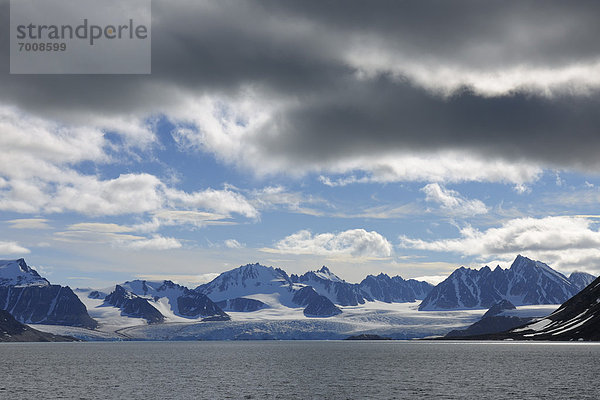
point(325, 273)
point(18, 273)
point(581, 279)
point(393, 290)
point(522, 263)
point(257, 271)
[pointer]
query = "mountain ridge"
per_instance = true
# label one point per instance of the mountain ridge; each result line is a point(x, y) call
point(526, 282)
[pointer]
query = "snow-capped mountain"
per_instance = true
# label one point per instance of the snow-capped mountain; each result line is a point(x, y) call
point(249, 280)
point(394, 290)
point(334, 288)
point(155, 300)
point(32, 299)
point(271, 286)
point(253, 286)
point(18, 273)
point(526, 282)
point(581, 279)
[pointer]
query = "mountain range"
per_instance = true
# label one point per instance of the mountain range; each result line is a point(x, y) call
point(146, 299)
point(526, 282)
point(255, 291)
point(320, 291)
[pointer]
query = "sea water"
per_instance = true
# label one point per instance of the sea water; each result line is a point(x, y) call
point(299, 370)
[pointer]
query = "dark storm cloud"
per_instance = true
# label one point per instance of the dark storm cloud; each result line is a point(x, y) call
point(299, 50)
point(384, 117)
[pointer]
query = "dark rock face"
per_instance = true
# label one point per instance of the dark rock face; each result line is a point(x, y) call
point(492, 321)
point(241, 304)
point(321, 307)
point(96, 295)
point(12, 330)
point(394, 290)
point(316, 304)
point(133, 305)
point(499, 307)
point(488, 325)
point(420, 288)
point(576, 319)
point(193, 304)
point(581, 279)
point(367, 336)
point(526, 282)
point(305, 296)
point(51, 304)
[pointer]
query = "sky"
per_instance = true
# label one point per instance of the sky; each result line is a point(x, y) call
point(408, 138)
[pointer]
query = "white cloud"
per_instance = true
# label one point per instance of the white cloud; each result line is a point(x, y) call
point(233, 244)
point(354, 242)
point(372, 58)
point(278, 196)
point(567, 243)
point(451, 202)
point(12, 248)
point(38, 174)
point(115, 235)
point(29, 223)
point(156, 242)
point(99, 227)
point(220, 201)
point(43, 141)
point(182, 217)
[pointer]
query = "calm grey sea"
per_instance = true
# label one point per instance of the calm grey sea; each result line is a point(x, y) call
point(299, 370)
